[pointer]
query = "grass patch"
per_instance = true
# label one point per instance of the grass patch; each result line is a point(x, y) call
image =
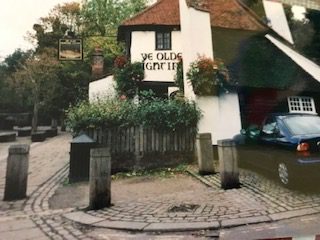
point(160, 172)
point(66, 182)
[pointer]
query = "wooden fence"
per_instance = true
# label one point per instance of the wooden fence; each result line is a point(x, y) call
point(139, 140)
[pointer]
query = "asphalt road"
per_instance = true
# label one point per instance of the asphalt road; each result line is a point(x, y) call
point(303, 228)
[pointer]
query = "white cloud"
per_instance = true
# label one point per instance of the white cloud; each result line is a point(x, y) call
point(17, 17)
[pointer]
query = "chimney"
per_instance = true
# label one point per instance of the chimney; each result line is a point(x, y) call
point(97, 63)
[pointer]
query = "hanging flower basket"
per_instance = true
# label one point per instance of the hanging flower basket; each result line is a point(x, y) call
point(207, 76)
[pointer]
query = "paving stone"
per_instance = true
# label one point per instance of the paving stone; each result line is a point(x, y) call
point(135, 226)
point(82, 217)
point(181, 226)
point(27, 233)
point(291, 214)
point(15, 225)
point(252, 203)
point(244, 221)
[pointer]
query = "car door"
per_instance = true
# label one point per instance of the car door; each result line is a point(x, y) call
point(269, 141)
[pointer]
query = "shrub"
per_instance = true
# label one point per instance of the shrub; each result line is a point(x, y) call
point(168, 115)
point(152, 112)
point(106, 113)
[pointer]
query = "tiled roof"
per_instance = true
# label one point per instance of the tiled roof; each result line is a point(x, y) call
point(163, 12)
point(224, 13)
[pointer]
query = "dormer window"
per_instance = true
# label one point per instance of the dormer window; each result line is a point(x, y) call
point(163, 40)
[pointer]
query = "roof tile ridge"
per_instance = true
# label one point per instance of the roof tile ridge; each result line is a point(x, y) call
point(143, 11)
point(252, 13)
point(194, 5)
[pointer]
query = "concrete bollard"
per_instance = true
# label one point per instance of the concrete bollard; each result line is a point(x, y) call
point(100, 178)
point(205, 154)
point(17, 173)
point(228, 163)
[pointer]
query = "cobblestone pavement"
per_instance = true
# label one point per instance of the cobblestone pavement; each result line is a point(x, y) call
point(258, 200)
point(31, 218)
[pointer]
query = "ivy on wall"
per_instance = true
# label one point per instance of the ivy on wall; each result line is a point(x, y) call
point(127, 76)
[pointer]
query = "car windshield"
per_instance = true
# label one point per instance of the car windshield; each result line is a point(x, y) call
point(303, 125)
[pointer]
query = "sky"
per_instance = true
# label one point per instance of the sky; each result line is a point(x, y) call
point(17, 17)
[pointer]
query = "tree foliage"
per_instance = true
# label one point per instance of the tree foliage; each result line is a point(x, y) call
point(12, 98)
point(100, 21)
point(262, 65)
point(71, 83)
point(102, 17)
point(38, 80)
point(60, 20)
point(313, 49)
point(38, 75)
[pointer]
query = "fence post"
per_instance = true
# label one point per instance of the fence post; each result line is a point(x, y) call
point(139, 148)
point(17, 172)
point(228, 162)
point(100, 178)
point(205, 154)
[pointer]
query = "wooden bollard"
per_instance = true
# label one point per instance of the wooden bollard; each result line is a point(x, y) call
point(17, 172)
point(228, 162)
point(205, 154)
point(100, 178)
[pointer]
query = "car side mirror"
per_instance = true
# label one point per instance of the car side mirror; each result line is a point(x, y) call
point(277, 132)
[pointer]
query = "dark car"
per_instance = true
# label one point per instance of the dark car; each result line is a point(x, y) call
point(286, 144)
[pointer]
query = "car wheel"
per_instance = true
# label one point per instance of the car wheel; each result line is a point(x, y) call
point(284, 174)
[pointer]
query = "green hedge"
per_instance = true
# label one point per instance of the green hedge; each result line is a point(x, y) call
point(166, 115)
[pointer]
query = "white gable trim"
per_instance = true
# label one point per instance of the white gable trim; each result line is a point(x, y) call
point(277, 19)
point(306, 64)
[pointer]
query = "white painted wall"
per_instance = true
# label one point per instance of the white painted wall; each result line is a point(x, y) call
point(196, 39)
point(143, 46)
point(102, 88)
point(229, 115)
point(221, 114)
point(172, 89)
point(209, 122)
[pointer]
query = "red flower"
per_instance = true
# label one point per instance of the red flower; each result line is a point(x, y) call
point(120, 61)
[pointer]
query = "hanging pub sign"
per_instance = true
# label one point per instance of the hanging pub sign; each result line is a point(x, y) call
point(70, 49)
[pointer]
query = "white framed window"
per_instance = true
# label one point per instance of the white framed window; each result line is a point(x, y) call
point(298, 104)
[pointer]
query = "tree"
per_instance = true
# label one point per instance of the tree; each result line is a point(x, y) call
point(102, 17)
point(73, 77)
point(313, 49)
point(36, 74)
point(60, 20)
point(306, 34)
point(11, 97)
point(100, 21)
point(302, 33)
point(52, 86)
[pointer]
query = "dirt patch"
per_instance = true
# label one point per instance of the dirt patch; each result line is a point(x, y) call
point(125, 190)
